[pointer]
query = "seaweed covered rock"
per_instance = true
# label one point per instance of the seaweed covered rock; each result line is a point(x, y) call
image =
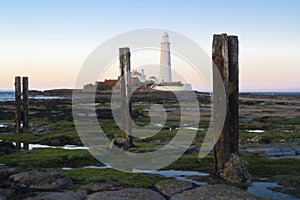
point(122, 143)
point(236, 171)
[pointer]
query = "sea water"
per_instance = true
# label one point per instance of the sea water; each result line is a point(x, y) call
point(7, 96)
point(10, 96)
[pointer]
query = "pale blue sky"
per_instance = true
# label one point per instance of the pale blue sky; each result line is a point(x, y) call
point(49, 40)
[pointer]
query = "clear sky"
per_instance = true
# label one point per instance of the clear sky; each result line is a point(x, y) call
point(49, 40)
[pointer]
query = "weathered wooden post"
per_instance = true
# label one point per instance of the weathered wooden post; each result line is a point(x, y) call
point(18, 145)
point(25, 146)
point(225, 57)
point(25, 105)
point(18, 103)
point(220, 59)
point(124, 54)
point(233, 92)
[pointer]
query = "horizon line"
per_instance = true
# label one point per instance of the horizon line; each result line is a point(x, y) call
point(242, 91)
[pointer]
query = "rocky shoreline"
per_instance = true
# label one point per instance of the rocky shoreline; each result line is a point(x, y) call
point(269, 124)
point(54, 185)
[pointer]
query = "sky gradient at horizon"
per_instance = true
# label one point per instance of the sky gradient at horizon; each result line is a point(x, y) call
point(49, 40)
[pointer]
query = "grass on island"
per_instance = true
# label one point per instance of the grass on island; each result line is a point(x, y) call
point(37, 137)
point(103, 175)
point(58, 158)
point(273, 136)
point(49, 158)
point(265, 167)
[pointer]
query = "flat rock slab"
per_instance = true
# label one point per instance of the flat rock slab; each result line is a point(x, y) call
point(5, 173)
point(214, 192)
point(127, 194)
point(8, 171)
point(171, 187)
point(42, 179)
point(277, 150)
point(6, 193)
point(105, 186)
point(67, 195)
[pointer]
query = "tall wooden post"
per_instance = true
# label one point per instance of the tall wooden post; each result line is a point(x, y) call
point(25, 105)
point(225, 58)
point(18, 103)
point(220, 59)
point(233, 55)
point(124, 54)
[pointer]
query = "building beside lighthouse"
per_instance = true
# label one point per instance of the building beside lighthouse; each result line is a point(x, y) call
point(165, 81)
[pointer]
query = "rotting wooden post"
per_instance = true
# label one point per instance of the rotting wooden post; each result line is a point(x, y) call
point(25, 146)
point(126, 106)
point(225, 58)
point(233, 92)
point(25, 105)
point(18, 103)
point(220, 59)
point(18, 145)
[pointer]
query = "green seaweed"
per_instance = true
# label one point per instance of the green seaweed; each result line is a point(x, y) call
point(96, 175)
point(49, 158)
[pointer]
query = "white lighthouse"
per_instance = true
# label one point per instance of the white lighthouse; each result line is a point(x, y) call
point(165, 82)
point(165, 74)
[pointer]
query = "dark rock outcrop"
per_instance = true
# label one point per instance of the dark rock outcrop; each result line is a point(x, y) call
point(7, 147)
